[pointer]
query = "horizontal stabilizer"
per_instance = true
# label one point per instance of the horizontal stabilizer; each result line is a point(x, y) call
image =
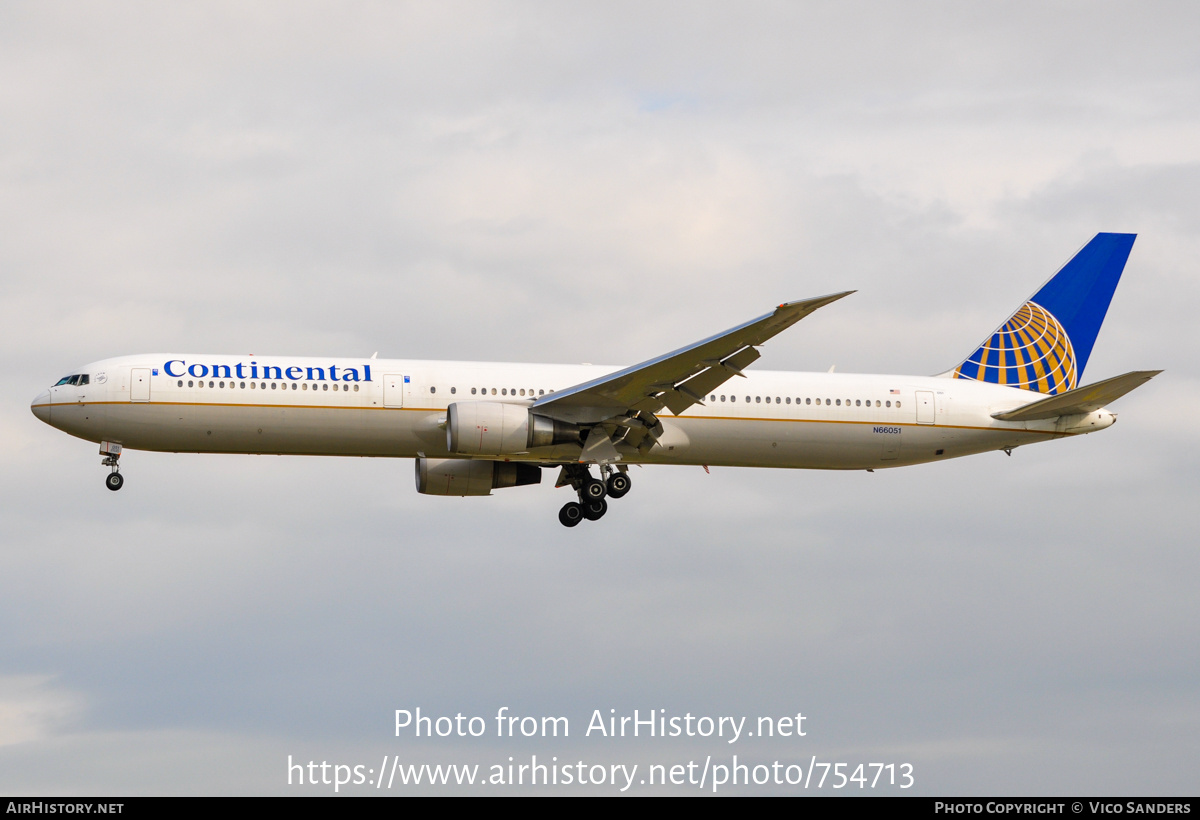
point(1081, 400)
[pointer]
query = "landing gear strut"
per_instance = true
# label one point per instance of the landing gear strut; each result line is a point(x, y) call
point(112, 454)
point(593, 492)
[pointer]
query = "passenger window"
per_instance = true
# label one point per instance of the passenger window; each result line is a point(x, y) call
point(503, 391)
point(356, 388)
point(493, 391)
point(472, 391)
point(242, 385)
point(897, 404)
point(453, 391)
point(324, 387)
point(433, 390)
point(789, 400)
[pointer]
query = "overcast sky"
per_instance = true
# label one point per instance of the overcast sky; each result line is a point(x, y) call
point(603, 183)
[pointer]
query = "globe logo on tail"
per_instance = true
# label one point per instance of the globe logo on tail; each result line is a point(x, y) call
point(1031, 351)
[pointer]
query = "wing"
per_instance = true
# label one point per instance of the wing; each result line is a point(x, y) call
point(1081, 399)
point(629, 398)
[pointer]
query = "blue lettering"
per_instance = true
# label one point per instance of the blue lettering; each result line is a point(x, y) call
point(225, 371)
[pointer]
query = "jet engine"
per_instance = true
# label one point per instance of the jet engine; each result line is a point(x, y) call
point(492, 428)
point(464, 476)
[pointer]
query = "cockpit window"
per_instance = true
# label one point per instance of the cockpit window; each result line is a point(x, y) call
point(78, 378)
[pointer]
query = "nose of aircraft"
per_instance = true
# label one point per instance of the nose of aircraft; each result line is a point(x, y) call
point(41, 406)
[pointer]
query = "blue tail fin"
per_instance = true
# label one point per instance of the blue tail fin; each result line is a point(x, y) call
point(1045, 345)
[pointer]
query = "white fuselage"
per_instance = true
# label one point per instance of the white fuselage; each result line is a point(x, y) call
point(397, 408)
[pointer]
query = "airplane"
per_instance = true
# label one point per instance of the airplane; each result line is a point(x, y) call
point(474, 427)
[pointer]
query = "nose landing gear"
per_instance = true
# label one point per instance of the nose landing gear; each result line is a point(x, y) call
point(112, 454)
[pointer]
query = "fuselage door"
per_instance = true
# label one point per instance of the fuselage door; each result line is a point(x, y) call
point(139, 384)
point(926, 410)
point(393, 390)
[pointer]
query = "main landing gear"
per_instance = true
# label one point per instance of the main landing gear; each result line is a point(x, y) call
point(593, 492)
point(112, 455)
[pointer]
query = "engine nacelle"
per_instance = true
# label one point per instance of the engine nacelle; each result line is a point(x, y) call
point(493, 428)
point(464, 476)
